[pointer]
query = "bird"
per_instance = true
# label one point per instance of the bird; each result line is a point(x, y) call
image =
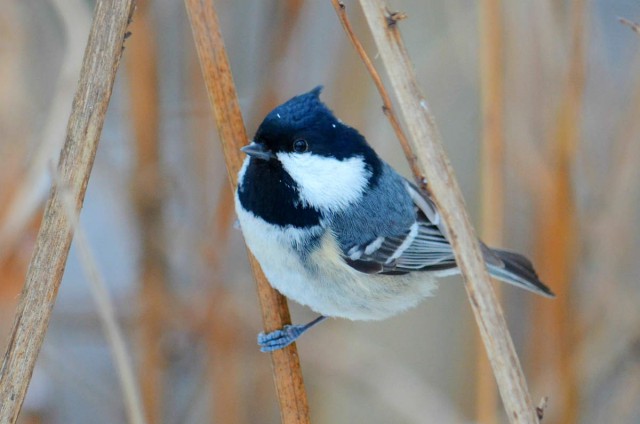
point(335, 228)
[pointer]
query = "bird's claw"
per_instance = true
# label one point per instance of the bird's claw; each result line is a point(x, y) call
point(279, 339)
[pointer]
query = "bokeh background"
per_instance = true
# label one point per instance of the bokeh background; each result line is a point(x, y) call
point(547, 93)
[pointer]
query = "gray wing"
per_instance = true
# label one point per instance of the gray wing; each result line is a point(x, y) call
point(419, 245)
point(397, 229)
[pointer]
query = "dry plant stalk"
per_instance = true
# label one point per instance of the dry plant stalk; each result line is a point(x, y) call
point(492, 104)
point(635, 27)
point(387, 106)
point(214, 317)
point(425, 143)
point(101, 59)
point(147, 196)
point(491, 174)
point(105, 311)
point(28, 193)
point(224, 101)
point(558, 236)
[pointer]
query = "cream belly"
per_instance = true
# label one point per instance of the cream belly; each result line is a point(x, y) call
point(325, 283)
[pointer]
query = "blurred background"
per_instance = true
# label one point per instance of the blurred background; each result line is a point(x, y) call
point(539, 107)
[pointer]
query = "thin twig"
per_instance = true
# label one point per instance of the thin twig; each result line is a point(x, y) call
point(30, 191)
point(387, 105)
point(432, 162)
point(224, 101)
point(633, 25)
point(105, 310)
point(102, 56)
point(542, 405)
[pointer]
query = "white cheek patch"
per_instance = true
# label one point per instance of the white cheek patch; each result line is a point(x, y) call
point(325, 182)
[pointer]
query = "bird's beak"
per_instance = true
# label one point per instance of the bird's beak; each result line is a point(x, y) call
point(258, 151)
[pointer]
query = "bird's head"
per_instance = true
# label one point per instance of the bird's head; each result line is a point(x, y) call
point(330, 162)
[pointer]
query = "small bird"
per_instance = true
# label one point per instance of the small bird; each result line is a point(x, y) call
point(335, 228)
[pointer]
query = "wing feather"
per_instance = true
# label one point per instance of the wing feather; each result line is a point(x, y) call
point(423, 246)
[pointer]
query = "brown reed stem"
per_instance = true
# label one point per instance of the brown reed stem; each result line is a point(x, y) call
point(387, 105)
point(23, 200)
point(212, 315)
point(492, 175)
point(426, 145)
point(492, 104)
point(147, 196)
point(558, 224)
point(106, 312)
point(101, 60)
point(224, 102)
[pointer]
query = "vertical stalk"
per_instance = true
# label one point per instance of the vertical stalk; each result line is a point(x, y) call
point(492, 174)
point(221, 331)
point(97, 75)
point(147, 196)
point(492, 104)
point(106, 313)
point(425, 146)
point(558, 237)
point(224, 101)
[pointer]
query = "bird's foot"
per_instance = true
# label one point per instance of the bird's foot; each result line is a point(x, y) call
point(279, 339)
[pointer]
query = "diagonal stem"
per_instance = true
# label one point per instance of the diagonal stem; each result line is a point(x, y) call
point(101, 59)
point(226, 110)
point(425, 143)
point(387, 106)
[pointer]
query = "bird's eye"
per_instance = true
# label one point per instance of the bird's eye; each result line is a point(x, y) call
point(300, 146)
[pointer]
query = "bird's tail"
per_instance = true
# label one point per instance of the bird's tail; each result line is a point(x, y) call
point(518, 270)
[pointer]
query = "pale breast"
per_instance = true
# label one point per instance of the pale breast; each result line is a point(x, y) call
point(324, 282)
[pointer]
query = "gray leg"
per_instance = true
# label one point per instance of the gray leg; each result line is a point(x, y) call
point(288, 334)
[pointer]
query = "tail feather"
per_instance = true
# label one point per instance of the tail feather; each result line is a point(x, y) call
point(518, 270)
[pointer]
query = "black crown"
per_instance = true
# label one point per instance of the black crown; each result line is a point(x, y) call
point(302, 110)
